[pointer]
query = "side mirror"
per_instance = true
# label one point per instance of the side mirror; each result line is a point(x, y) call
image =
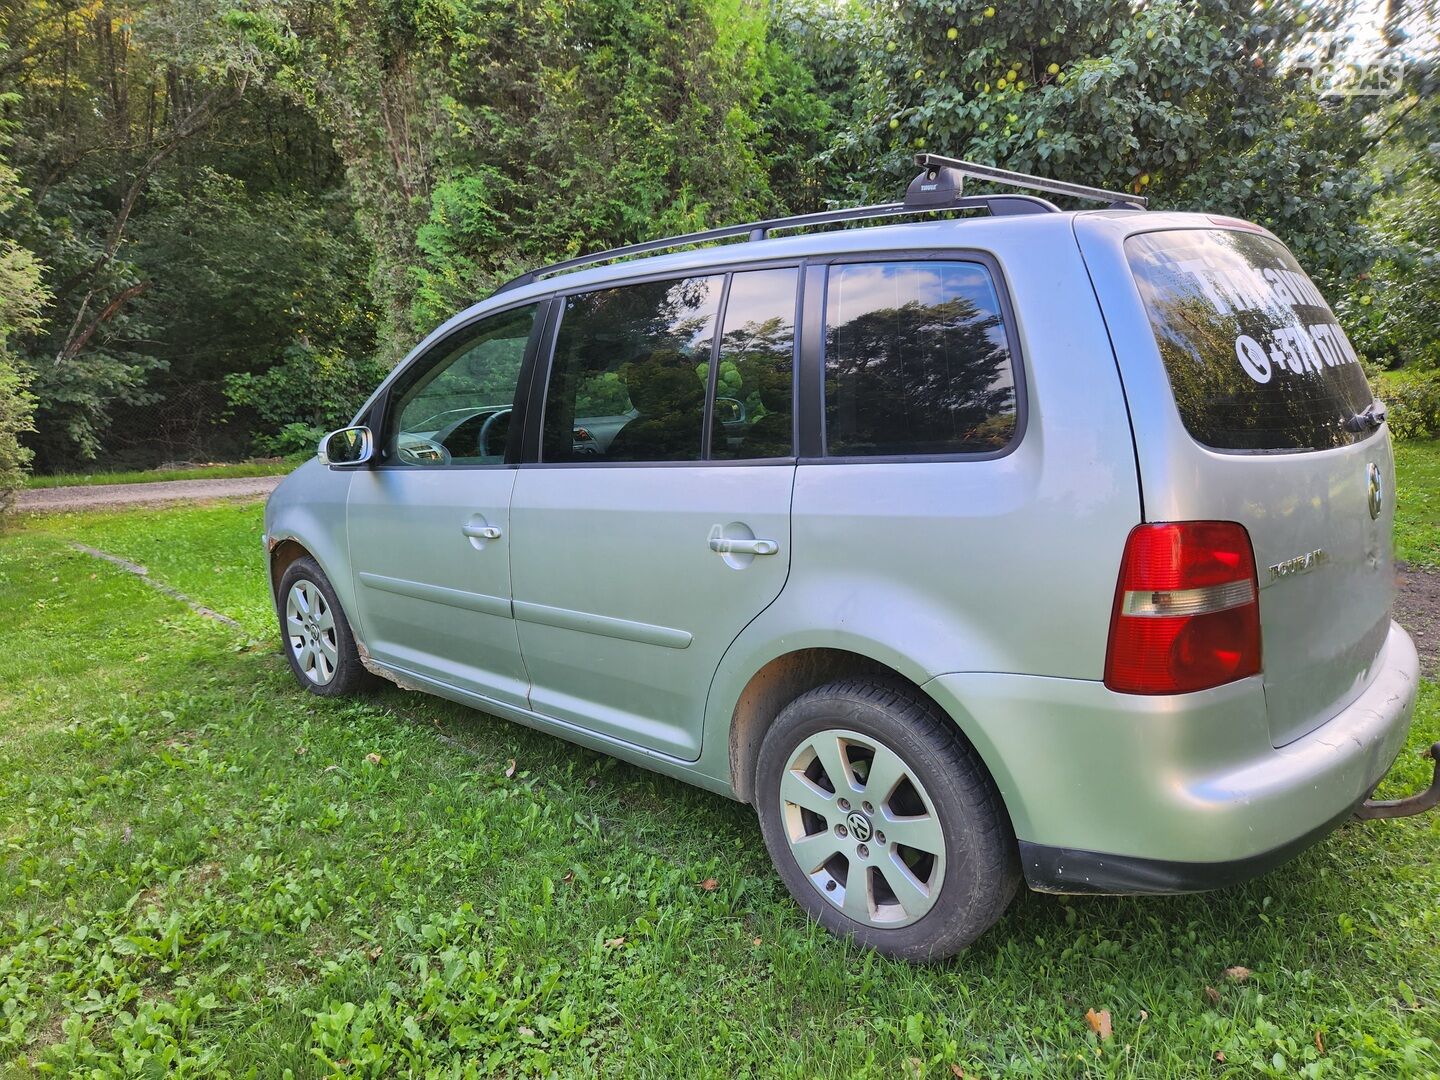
point(347, 447)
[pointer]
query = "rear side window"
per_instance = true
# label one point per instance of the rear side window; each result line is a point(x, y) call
point(753, 397)
point(628, 379)
point(917, 361)
point(1255, 358)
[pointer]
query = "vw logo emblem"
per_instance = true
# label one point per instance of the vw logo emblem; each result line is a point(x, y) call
point(860, 827)
point(1377, 490)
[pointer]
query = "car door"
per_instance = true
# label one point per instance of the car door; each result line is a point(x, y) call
point(640, 554)
point(429, 524)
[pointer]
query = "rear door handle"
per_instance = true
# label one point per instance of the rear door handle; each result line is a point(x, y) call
point(726, 546)
point(480, 532)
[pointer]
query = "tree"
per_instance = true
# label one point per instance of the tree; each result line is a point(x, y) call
point(482, 137)
point(1188, 103)
point(21, 298)
point(192, 225)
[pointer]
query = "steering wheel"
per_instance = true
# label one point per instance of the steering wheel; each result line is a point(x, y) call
point(482, 443)
point(418, 450)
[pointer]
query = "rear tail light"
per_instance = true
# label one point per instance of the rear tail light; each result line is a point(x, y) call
point(1187, 609)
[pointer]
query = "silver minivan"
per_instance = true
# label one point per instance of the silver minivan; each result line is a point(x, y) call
point(1002, 544)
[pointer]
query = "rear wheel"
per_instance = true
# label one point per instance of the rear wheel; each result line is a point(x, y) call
point(318, 641)
point(882, 822)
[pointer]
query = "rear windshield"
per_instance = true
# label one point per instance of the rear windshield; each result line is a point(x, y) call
point(1255, 357)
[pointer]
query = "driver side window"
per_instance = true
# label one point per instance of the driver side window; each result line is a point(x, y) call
point(454, 406)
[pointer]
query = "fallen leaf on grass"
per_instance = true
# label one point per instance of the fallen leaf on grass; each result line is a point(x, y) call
point(509, 768)
point(300, 751)
point(375, 953)
point(914, 1068)
point(329, 768)
point(373, 758)
point(569, 877)
point(614, 942)
point(1212, 995)
point(1099, 1022)
point(1219, 1057)
point(1237, 973)
point(957, 1072)
point(526, 1031)
point(1319, 1043)
point(709, 884)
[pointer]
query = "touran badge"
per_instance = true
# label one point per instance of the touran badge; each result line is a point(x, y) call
point(1377, 490)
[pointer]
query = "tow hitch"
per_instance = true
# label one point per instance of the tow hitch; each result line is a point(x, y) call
point(1408, 807)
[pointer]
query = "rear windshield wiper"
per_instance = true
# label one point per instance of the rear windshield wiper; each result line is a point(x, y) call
point(1368, 419)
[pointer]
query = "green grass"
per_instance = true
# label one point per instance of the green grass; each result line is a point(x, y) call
point(1417, 514)
point(207, 870)
point(148, 476)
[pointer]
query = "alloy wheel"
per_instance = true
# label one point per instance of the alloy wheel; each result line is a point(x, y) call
point(310, 630)
point(862, 828)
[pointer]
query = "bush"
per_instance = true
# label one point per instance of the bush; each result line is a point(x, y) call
point(1414, 404)
point(17, 410)
point(305, 395)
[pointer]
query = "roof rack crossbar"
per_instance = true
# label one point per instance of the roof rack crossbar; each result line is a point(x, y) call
point(759, 230)
point(1025, 180)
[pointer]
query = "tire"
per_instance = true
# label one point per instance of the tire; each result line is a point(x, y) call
point(315, 633)
point(905, 900)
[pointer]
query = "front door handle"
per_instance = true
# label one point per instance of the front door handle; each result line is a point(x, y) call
point(726, 546)
point(480, 532)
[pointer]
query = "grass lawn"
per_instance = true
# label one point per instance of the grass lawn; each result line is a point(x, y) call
point(1417, 521)
point(206, 869)
point(148, 476)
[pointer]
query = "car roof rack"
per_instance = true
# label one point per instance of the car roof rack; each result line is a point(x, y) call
point(940, 187)
point(949, 174)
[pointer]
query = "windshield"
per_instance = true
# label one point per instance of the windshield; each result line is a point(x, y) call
point(1255, 357)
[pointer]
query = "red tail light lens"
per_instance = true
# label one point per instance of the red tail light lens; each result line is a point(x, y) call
point(1187, 609)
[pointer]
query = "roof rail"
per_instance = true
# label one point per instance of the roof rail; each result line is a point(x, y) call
point(938, 188)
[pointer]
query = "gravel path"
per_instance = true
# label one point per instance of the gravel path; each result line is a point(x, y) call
point(107, 496)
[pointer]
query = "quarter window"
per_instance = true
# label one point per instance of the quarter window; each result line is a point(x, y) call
point(917, 361)
point(455, 405)
point(629, 377)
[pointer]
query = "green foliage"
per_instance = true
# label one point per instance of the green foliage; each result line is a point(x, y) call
point(305, 395)
point(1393, 315)
point(17, 408)
point(1413, 400)
point(192, 223)
point(482, 138)
point(1181, 102)
point(21, 298)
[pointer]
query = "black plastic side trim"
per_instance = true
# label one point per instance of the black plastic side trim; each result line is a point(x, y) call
point(1069, 870)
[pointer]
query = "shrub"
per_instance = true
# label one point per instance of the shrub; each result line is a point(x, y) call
point(17, 409)
point(1414, 404)
point(308, 393)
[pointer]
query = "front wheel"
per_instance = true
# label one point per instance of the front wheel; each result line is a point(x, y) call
point(882, 822)
point(318, 641)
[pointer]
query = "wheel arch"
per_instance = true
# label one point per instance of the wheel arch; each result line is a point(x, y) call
point(282, 553)
point(284, 547)
point(784, 678)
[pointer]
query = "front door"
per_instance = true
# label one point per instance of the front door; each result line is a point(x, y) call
point(654, 528)
point(429, 525)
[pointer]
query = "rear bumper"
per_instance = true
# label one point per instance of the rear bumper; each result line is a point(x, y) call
point(1117, 793)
